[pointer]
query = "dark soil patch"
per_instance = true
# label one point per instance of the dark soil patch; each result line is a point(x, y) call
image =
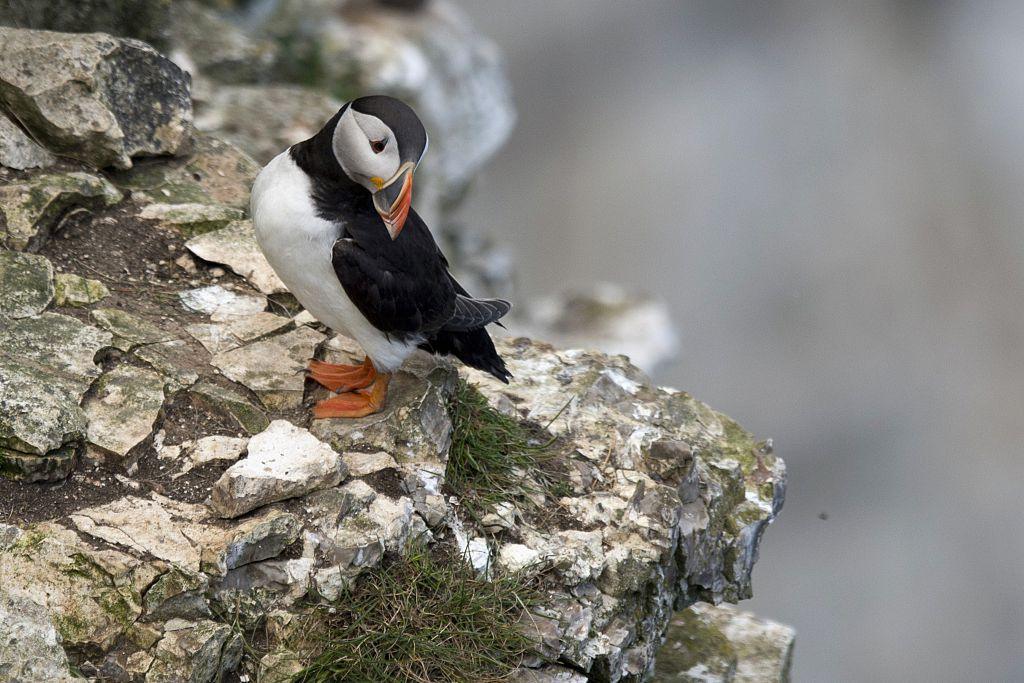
point(25, 503)
point(133, 257)
point(387, 481)
point(184, 419)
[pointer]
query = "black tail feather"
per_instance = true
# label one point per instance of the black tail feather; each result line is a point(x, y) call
point(472, 347)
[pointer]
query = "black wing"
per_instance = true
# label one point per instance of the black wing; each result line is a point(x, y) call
point(401, 286)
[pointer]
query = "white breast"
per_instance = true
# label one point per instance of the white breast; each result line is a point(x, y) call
point(298, 244)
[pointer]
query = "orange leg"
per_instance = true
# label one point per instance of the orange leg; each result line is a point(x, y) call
point(356, 403)
point(342, 377)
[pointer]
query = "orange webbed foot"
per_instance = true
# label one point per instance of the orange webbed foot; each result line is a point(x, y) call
point(338, 377)
point(356, 403)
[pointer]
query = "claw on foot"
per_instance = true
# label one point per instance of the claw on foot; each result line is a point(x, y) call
point(336, 377)
point(356, 403)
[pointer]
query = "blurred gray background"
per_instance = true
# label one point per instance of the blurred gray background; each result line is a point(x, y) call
point(831, 197)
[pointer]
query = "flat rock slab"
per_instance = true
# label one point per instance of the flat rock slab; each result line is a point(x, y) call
point(18, 150)
point(201, 451)
point(46, 365)
point(33, 207)
point(222, 304)
point(75, 290)
point(224, 336)
point(363, 464)
point(94, 97)
point(235, 246)
point(191, 218)
point(129, 330)
point(273, 368)
point(284, 461)
point(26, 284)
point(164, 528)
point(172, 359)
point(123, 408)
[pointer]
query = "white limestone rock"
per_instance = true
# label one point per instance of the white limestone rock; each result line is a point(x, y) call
point(284, 461)
point(18, 150)
point(123, 408)
point(235, 246)
point(362, 464)
point(26, 284)
point(30, 646)
point(159, 526)
point(237, 332)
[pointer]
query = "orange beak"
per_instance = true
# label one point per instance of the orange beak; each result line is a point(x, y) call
point(394, 200)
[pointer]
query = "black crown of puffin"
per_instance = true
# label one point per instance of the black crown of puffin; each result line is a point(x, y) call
point(379, 142)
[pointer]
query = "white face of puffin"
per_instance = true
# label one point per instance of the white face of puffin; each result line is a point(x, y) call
point(367, 149)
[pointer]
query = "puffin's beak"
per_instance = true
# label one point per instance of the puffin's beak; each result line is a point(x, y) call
point(394, 198)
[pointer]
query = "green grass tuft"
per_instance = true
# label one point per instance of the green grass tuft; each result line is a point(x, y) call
point(421, 618)
point(496, 458)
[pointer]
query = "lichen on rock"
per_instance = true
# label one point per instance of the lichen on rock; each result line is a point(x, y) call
point(26, 281)
point(93, 97)
point(724, 645)
point(77, 291)
point(33, 207)
point(46, 366)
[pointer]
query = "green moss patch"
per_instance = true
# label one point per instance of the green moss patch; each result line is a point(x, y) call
point(422, 617)
point(496, 458)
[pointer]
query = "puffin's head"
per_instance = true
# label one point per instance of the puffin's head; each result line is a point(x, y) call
point(378, 142)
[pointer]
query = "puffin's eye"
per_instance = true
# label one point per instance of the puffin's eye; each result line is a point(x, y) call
point(378, 145)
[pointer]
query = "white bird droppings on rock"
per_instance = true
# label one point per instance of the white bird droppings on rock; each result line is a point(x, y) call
point(221, 304)
point(284, 461)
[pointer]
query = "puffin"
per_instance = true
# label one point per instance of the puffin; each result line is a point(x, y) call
point(333, 215)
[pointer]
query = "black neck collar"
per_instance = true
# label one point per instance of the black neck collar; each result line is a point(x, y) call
point(333, 192)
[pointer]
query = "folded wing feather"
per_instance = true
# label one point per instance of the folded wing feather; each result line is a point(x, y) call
point(472, 314)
